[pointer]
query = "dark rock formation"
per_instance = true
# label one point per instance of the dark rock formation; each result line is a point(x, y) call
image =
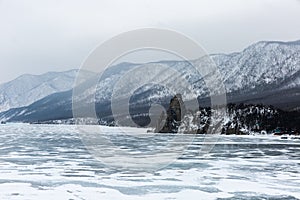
point(170, 121)
point(241, 119)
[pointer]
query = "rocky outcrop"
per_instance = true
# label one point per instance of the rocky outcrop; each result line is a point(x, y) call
point(170, 121)
point(241, 119)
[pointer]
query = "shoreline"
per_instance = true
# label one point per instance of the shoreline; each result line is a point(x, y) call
point(149, 131)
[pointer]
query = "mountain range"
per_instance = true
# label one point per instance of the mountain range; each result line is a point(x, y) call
point(267, 72)
point(27, 89)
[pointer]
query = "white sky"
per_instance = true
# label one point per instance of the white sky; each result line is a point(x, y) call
point(55, 35)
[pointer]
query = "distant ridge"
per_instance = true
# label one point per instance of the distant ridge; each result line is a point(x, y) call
point(267, 72)
point(29, 88)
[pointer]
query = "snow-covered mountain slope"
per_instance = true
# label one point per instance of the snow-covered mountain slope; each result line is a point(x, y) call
point(264, 68)
point(27, 89)
point(265, 72)
point(261, 64)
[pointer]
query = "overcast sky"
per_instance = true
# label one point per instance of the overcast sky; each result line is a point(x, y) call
point(55, 35)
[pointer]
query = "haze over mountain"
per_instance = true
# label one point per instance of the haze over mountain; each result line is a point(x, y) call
point(266, 72)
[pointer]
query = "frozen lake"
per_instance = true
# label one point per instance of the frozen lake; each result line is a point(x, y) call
point(51, 162)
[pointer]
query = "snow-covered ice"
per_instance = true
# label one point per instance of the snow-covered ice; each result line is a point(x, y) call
point(51, 162)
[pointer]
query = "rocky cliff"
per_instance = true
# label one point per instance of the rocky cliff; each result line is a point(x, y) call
point(241, 119)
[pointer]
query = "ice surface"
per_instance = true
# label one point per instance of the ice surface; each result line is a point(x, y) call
point(50, 162)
